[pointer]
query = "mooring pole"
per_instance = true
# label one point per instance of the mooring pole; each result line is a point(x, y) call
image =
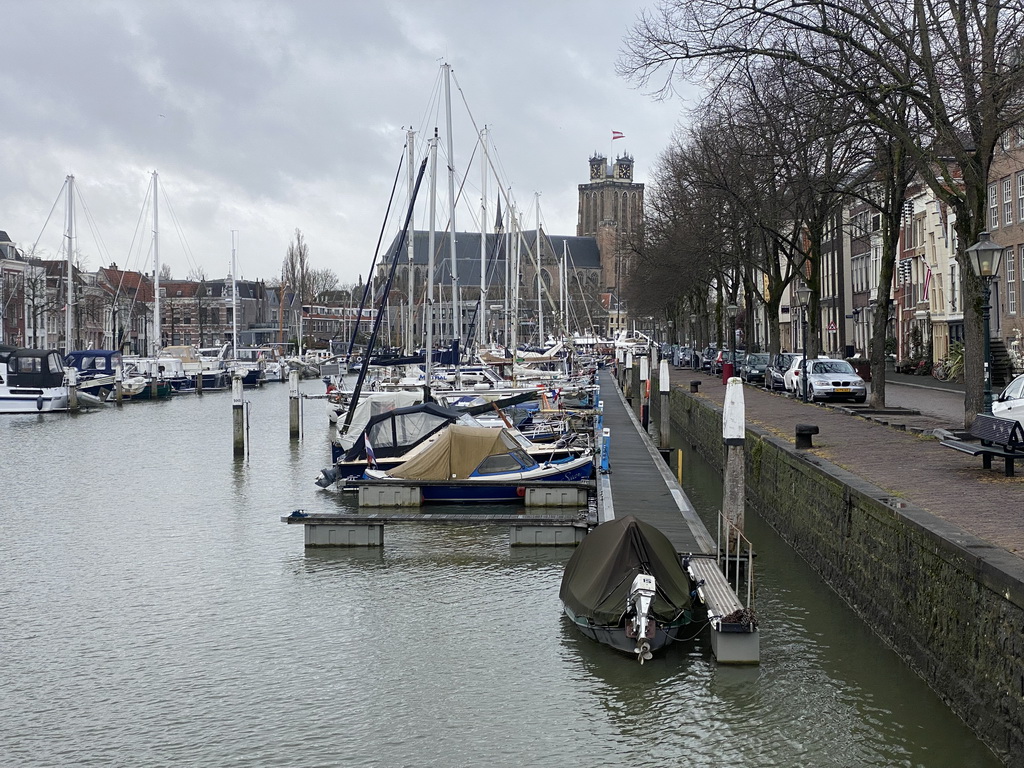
point(238, 415)
point(664, 386)
point(294, 405)
point(72, 374)
point(119, 384)
point(645, 391)
point(733, 435)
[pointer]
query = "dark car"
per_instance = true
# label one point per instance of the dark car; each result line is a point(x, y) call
point(753, 366)
point(777, 366)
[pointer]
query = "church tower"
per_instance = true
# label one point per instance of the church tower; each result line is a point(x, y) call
point(611, 210)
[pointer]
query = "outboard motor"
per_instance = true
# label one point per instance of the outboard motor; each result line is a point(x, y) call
point(328, 476)
point(639, 623)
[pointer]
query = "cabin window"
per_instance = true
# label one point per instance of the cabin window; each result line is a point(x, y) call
point(501, 463)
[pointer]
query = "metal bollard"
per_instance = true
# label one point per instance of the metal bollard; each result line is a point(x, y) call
point(695, 385)
point(804, 433)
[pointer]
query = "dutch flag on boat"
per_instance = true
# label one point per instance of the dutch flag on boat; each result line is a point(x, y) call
point(371, 460)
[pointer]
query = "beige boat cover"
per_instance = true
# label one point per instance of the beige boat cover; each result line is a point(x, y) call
point(458, 450)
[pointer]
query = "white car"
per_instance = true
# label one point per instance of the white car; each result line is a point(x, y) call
point(1010, 402)
point(791, 378)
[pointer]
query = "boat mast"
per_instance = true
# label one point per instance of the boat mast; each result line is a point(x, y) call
point(156, 270)
point(563, 288)
point(429, 319)
point(69, 286)
point(508, 268)
point(410, 340)
point(454, 262)
point(540, 283)
point(483, 242)
point(514, 223)
point(234, 297)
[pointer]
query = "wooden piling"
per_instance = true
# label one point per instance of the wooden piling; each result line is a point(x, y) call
point(294, 406)
point(238, 416)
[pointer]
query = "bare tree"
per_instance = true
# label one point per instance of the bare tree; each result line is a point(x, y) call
point(165, 272)
point(321, 283)
point(295, 272)
point(955, 65)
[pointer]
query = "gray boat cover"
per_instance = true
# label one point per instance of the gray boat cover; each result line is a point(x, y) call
point(600, 572)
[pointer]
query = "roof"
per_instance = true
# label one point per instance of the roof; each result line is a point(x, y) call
point(134, 284)
point(582, 251)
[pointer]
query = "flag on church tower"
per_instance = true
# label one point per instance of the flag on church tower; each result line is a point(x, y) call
point(617, 135)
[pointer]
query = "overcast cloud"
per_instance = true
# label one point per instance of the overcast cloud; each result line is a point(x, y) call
point(264, 117)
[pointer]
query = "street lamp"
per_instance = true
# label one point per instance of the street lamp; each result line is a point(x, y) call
point(803, 300)
point(728, 368)
point(693, 341)
point(985, 256)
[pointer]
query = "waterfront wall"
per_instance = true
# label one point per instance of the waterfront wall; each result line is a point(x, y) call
point(950, 604)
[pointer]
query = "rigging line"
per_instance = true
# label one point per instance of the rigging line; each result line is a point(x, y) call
point(39, 237)
point(101, 246)
point(354, 400)
point(376, 255)
point(180, 232)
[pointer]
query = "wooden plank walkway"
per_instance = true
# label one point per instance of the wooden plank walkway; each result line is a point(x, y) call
point(640, 481)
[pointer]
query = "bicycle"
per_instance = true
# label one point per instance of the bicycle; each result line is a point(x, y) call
point(940, 370)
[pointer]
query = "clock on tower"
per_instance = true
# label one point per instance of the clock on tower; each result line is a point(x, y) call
point(596, 171)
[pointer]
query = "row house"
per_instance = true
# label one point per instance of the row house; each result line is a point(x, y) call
point(203, 313)
point(1006, 226)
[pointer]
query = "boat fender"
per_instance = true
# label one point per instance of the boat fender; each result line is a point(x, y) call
point(39, 403)
point(520, 491)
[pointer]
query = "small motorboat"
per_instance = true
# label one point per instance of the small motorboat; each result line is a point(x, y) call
point(470, 464)
point(626, 588)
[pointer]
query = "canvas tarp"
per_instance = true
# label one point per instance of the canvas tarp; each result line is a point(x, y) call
point(600, 572)
point(456, 452)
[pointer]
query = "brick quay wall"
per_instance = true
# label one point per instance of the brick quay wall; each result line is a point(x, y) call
point(949, 604)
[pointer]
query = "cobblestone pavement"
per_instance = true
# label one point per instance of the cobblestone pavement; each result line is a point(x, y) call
point(897, 452)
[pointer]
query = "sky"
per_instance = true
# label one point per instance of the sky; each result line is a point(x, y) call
point(263, 117)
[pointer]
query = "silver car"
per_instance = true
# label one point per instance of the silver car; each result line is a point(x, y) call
point(1010, 402)
point(834, 380)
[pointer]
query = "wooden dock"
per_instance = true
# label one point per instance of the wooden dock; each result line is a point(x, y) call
point(638, 482)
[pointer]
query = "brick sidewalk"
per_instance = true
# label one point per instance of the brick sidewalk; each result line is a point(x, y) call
point(910, 465)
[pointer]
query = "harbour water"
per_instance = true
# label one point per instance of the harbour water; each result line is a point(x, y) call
point(154, 611)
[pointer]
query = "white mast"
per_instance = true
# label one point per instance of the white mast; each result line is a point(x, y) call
point(429, 318)
point(540, 283)
point(456, 306)
point(514, 223)
point(234, 298)
point(69, 286)
point(410, 341)
point(508, 265)
point(157, 338)
point(483, 242)
point(563, 293)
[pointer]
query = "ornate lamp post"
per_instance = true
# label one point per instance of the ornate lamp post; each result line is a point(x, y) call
point(729, 367)
point(694, 363)
point(803, 300)
point(985, 256)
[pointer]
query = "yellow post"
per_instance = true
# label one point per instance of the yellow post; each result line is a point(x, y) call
point(679, 466)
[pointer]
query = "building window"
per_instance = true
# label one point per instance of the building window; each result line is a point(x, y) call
point(993, 206)
point(1011, 281)
point(1020, 197)
point(1007, 201)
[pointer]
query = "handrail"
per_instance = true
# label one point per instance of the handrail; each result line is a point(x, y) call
point(731, 565)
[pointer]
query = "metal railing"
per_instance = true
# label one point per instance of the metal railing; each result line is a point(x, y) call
point(733, 561)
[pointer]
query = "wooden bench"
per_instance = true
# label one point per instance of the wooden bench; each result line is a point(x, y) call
point(995, 436)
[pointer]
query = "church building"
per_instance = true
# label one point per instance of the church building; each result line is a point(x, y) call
point(596, 264)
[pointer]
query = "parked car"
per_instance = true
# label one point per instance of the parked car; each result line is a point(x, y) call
point(753, 367)
point(832, 380)
point(776, 370)
point(1010, 402)
point(793, 373)
point(707, 357)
